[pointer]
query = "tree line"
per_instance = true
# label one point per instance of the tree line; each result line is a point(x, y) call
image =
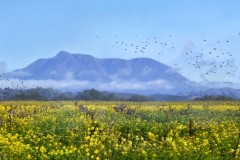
point(51, 94)
point(43, 94)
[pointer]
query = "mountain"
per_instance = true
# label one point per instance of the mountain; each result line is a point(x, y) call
point(143, 75)
point(75, 72)
point(85, 67)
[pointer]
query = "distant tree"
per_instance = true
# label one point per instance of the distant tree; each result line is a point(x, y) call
point(110, 97)
point(214, 98)
point(90, 95)
point(140, 98)
point(51, 94)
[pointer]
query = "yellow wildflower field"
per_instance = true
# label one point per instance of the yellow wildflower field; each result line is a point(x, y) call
point(119, 130)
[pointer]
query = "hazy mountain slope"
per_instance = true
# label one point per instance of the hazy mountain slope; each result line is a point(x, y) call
point(138, 75)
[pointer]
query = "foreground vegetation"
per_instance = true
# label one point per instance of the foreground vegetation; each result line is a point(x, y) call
point(108, 130)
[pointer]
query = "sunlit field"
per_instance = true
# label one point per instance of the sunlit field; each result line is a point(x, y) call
point(109, 130)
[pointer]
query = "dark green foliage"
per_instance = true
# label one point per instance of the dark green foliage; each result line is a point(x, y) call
point(214, 98)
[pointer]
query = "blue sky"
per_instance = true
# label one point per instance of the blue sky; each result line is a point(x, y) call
point(40, 29)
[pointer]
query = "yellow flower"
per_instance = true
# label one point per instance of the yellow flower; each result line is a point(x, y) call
point(42, 149)
point(102, 146)
point(97, 158)
point(144, 152)
point(96, 151)
point(87, 138)
point(169, 139)
point(29, 156)
point(151, 135)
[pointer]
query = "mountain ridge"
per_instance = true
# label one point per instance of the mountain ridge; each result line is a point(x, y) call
point(137, 75)
point(81, 62)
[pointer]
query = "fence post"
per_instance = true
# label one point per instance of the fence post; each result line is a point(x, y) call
point(191, 131)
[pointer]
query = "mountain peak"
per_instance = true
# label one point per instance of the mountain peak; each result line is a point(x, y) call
point(63, 53)
point(142, 72)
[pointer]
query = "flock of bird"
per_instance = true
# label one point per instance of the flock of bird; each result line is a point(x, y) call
point(11, 82)
point(220, 60)
point(211, 58)
point(141, 46)
point(208, 59)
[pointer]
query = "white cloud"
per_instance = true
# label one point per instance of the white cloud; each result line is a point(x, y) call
point(122, 85)
point(160, 84)
point(124, 72)
point(115, 85)
point(26, 84)
point(136, 85)
point(216, 84)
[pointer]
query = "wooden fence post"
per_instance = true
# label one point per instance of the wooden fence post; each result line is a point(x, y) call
point(191, 131)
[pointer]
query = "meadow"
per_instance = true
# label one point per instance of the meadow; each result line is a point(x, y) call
point(119, 130)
